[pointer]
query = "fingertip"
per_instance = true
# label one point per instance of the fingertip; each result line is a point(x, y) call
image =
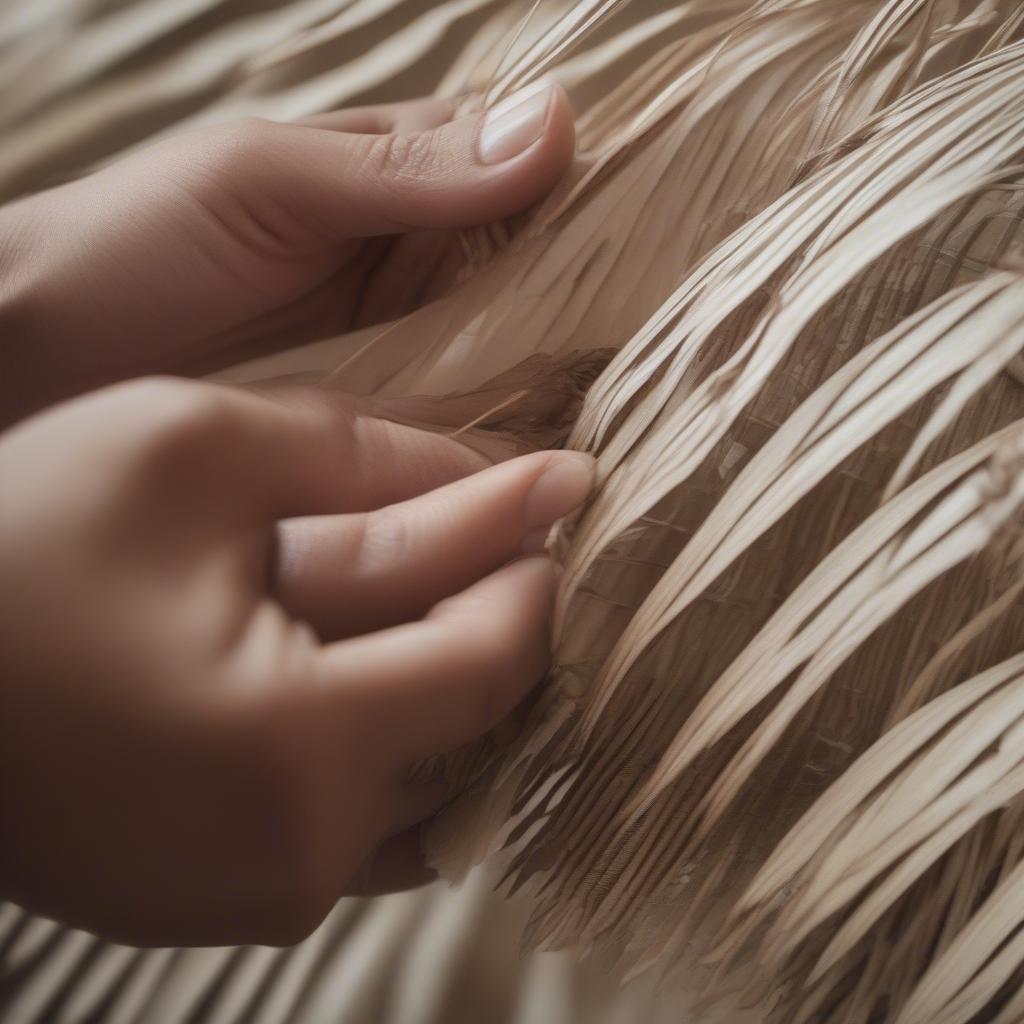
point(537, 570)
point(524, 591)
point(471, 170)
point(562, 487)
point(558, 145)
point(544, 577)
point(431, 686)
point(530, 139)
point(509, 605)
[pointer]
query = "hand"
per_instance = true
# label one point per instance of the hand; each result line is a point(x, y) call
point(212, 246)
point(209, 707)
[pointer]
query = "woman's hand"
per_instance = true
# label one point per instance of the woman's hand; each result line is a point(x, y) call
point(214, 245)
point(209, 705)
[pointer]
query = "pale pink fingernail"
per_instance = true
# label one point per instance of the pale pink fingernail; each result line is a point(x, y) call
point(514, 124)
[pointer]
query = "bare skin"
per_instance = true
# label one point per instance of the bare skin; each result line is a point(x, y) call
point(209, 246)
point(232, 621)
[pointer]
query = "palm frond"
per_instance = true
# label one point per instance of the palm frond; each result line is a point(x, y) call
point(781, 298)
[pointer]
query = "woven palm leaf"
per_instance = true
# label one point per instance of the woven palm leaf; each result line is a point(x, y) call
point(779, 758)
point(433, 957)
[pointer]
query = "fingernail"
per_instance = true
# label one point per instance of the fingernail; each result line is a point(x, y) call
point(515, 124)
point(562, 487)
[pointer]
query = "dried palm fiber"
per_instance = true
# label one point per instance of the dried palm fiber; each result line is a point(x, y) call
point(814, 429)
point(777, 753)
point(431, 957)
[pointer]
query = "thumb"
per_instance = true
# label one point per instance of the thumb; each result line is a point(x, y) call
point(474, 169)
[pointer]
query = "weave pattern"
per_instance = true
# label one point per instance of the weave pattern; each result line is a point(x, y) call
point(779, 758)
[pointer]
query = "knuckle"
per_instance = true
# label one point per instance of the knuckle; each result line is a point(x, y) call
point(176, 421)
point(237, 144)
point(383, 537)
point(403, 159)
point(110, 447)
point(166, 442)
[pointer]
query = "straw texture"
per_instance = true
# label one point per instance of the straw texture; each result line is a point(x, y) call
point(779, 758)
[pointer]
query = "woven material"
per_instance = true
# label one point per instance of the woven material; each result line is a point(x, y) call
point(780, 753)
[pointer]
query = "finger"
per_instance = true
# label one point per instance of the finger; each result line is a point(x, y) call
point(287, 452)
point(396, 865)
point(382, 462)
point(403, 560)
point(313, 182)
point(431, 686)
point(411, 116)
